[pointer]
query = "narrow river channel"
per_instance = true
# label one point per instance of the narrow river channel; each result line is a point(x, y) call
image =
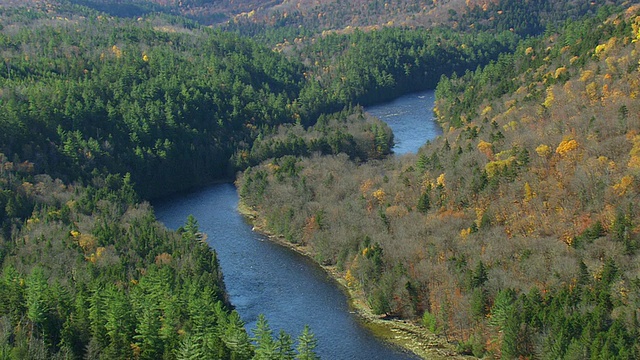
point(291, 290)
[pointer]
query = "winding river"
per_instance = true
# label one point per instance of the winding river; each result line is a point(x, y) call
point(290, 289)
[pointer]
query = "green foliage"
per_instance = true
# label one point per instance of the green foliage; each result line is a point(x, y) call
point(424, 202)
point(349, 131)
point(170, 108)
point(479, 276)
point(306, 345)
point(590, 234)
point(118, 296)
point(190, 349)
point(284, 346)
point(35, 295)
point(479, 302)
point(141, 291)
point(380, 65)
point(430, 321)
point(502, 305)
point(473, 346)
point(265, 346)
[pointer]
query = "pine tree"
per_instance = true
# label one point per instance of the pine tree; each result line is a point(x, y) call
point(147, 337)
point(118, 324)
point(307, 344)
point(284, 346)
point(265, 347)
point(479, 303)
point(235, 337)
point(97, 317)
point(190, 349)
point(37, 306)
point(191, 226)
point(480, 275)
point(424, 202)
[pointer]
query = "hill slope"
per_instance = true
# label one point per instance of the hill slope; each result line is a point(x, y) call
point(515, 232)
point(84, 93)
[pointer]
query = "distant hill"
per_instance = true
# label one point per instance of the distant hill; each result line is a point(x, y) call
point(207, 12)
point(312, 16)
point(252, 17)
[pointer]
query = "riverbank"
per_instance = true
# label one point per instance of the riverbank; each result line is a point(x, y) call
point(401, 333)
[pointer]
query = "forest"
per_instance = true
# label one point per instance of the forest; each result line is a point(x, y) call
point(515, 232)
point(305, 19)
point(88, 273)
point(513, 235)
point(94, 93)
point(174, 103)
point(99, 114)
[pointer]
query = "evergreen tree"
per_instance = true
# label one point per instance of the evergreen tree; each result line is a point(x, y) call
point(236, 338)
point(424, 202)
point(284, 346)
point(306, 345)
point(37, 306)
point(190, 349)
point(479, 303)
point(147, 337)
point(118, 324)
point(265, 346)
point(191, 227)
point(480, 275)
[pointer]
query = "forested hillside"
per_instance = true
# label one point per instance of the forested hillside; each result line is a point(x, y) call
point(306, 19)
point(276, 16)
point(206, 12)
point(514, 233)
point(97, 113)
point(165, 103)
point(175, 104)
point(88, 273)
point(371, 67)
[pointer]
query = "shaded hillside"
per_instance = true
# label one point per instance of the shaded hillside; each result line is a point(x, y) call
point(516, 232)
point(206, 12)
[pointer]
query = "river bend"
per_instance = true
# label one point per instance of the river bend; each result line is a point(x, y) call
point(290, 289)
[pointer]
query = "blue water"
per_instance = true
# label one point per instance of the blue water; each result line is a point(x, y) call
point(291, 290)
point(411, 119)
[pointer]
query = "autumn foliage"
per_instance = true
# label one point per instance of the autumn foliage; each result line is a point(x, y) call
point(516, 221)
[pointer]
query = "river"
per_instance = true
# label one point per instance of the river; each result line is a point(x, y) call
point(288, 288)
point(411, 119)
